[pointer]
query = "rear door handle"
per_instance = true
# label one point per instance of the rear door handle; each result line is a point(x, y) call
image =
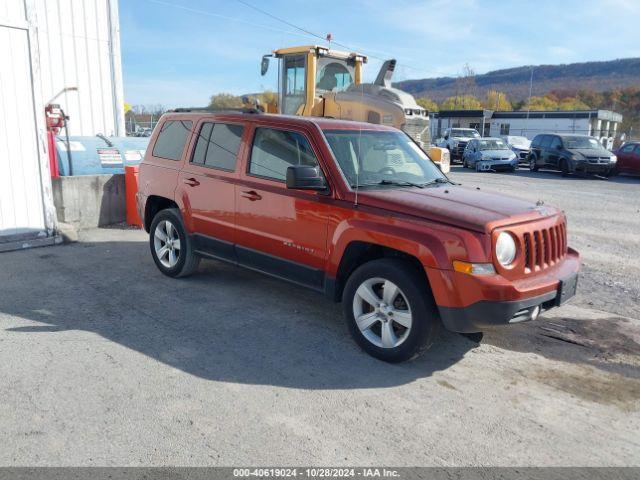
point(251, 195)
point(192, 182)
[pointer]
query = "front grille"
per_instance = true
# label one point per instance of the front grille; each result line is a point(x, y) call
point(597, 160)
point(544, 248)
point(418, 129)
point(460, 148)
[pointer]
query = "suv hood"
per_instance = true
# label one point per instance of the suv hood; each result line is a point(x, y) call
point(506, 153)
point(464, 207)
point(591, 152)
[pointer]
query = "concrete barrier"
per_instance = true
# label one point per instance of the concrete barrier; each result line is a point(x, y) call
point(90, 200)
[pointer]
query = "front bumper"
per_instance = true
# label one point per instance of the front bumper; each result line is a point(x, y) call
point(497, 165)
point(473, 303)
point(487, 314)
point(588, 167)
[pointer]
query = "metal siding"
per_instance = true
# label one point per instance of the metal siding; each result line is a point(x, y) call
point(74, 38)
point(21, 200)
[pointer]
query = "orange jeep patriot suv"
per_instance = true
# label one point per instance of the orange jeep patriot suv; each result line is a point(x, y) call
point(357, 211)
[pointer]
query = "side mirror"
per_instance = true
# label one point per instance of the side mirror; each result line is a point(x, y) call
point(264, 65)
point(446, 137)
point(559, 147)
point(304, 177)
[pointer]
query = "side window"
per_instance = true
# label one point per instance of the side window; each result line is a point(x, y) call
point(275, 150)
point(629, 148)
point(171, 139)
point(218, 145)
point(637, 150)
point(555, 143)
point(546, 141)
point(536, 141)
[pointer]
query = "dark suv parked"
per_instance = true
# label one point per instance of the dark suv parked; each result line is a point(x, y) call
point(570, 154)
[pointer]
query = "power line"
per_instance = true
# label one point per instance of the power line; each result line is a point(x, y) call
point(313, 34)
point(300, 30)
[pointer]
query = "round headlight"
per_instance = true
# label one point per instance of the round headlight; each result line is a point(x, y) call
point(505, 249)
point(614, 159)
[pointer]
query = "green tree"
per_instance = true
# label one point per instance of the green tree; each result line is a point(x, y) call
point(495, 100)
point(427, 104)
point(225, 100)
point(461, 102)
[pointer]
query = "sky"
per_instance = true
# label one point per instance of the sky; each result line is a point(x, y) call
point(180, 52)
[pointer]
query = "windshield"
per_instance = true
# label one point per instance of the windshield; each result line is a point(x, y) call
point(493, 144)
point(581, 142)
point(369, 158)
point(464, 132)
point(333, 75)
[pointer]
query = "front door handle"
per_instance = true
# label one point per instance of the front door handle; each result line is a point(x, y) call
point(251, 195)
point(192, 182)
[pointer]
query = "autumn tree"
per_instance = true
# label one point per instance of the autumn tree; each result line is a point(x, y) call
point(225, 100)
point(461, 102)
point(428, 104)
point(495, 100)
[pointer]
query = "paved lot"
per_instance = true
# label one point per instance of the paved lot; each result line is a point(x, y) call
point(104, 361)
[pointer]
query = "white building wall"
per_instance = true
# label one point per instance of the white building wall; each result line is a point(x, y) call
point(79, 46)
point(46, 46)
point(531, 127)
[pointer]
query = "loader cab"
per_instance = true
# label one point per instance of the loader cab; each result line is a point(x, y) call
point(307, 73)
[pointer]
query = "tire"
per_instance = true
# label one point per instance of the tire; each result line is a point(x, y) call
point(564, 167)
point(465, 164)
point(613, 172)
point(179, 260)
point(399, 329)
point(533, 163)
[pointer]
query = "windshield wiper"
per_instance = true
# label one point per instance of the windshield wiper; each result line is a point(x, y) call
point(438, 180)
point(402, 183)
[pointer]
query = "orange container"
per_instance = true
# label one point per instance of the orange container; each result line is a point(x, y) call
point(131, 188)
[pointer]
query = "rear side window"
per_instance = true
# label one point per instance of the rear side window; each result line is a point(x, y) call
point(628, 148)
point(546, 141)
point(274, 151)
point(555, 143)
point(172, 138)
point(218, 145)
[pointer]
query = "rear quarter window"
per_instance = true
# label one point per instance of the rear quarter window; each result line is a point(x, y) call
point(172, 139)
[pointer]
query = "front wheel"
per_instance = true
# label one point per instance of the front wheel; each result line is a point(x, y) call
point(390, 310)
point(564, 167)
point(533, 163)
point(171, 247)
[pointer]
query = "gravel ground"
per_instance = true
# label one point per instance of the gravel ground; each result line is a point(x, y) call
point(104, 361)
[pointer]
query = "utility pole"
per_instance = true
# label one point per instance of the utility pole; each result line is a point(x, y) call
point(529, 102)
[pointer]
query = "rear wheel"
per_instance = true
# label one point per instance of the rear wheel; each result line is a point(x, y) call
point(533, 163)
point(170, 245)
point(390, 310)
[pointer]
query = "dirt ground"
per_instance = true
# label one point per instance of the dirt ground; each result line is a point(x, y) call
point(104, 361)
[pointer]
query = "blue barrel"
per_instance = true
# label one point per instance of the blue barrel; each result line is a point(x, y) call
point(99, 155)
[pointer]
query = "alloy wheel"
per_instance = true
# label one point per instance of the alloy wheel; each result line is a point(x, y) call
point(382, 312)
point(166, 243)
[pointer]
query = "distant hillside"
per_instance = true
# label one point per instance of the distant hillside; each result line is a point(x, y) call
point(597, 76)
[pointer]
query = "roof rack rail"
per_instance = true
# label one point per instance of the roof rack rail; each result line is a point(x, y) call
point(216, 110)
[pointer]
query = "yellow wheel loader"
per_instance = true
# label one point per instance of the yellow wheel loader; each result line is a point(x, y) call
point(317, 81)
